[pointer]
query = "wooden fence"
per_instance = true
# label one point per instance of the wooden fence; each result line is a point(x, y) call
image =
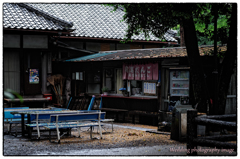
point(218, 141)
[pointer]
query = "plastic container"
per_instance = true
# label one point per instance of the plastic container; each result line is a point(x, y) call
point(47, 96)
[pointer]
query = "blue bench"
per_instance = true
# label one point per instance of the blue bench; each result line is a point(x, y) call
point(54, 108)
point(10, 119)
point(90, 108)
point(41, 118)
point(69, 121)
point(31, 125)
point(16, 108)
point(7, 113)
point(103, 120)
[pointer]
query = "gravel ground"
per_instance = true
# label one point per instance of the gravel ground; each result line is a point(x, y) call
point(126, 139)
point(121, 137)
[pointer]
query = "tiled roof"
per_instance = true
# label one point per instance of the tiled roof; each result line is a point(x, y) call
point(94, 20)
point(23, 16)
point(145, 54)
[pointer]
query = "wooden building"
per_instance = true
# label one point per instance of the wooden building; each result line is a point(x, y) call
point(37, 37)
point(157, 92)
point(83, 42)
point(28, 46)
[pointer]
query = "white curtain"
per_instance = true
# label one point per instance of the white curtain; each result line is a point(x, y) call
point(119, 81)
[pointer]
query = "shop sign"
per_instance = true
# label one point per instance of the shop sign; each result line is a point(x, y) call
point(149, 88)
point(137, 72)
point(131, 72)
point(125, 71)
point(140, 71)
point(149, 71)
point(155, 71)
point(143, 72)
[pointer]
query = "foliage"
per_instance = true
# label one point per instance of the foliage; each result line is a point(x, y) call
point(12, 94)
point(195, 18)
point(105, 89)
point(204, 23)
point(158, 18)
point(146, 18)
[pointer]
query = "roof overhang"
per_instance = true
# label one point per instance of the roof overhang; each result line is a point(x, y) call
point(68, 32)
point(108, 39)
point(156, 53)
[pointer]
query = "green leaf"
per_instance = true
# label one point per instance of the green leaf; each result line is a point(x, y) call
point(9, 91)
point(8, 95)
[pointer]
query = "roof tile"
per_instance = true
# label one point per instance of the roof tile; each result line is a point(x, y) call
point(94, 20)
point(144, 54)
point(22, 16)
point(88, 20)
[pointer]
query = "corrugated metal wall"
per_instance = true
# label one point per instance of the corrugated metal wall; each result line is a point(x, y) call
point(11, 70)
point(231, 102)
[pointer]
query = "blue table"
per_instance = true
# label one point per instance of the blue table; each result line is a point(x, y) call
point(43, 114)
point(27, 113)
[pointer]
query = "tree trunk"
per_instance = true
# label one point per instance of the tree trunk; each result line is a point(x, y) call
point(201, 94)
point(215, 71)
point(228, 63)
point(182, 39)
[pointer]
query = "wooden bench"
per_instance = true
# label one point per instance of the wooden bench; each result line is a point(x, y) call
point(69, 121)
point(116, 111)
point(79, 102)
point(134, 106)
point(147, 114)
point(99, 104)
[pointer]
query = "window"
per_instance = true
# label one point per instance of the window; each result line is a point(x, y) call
point(77, 76)
point(94, 82)
point(77, 84)
point(112, 79)
point(141, 77)
point(138, 88)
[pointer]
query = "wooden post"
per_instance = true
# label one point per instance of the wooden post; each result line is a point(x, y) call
point(49, 62)
point(44, 73)
point(191, 132)
point(133, 118)
point(159, 105)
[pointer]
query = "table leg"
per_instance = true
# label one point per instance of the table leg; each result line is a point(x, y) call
point(117, 116)
point(124, 117)
point(22, 124)
point(133, 119)
point(91, 132)
point(28, 129)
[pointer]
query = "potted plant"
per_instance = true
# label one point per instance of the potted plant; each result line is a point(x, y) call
point(105, 90)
